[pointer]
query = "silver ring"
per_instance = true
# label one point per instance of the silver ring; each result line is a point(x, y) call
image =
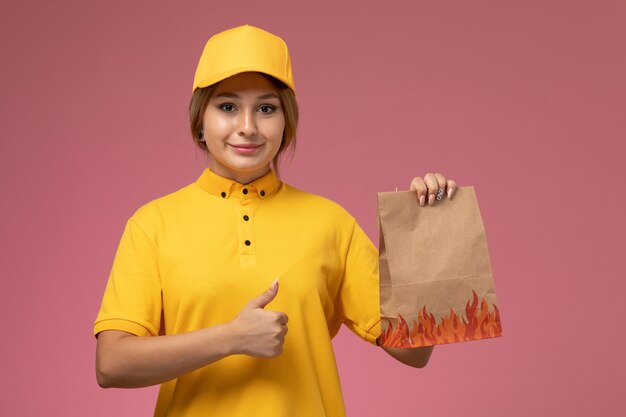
point(439, 194)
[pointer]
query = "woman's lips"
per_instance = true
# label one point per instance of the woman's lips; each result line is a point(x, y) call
point(246, 149)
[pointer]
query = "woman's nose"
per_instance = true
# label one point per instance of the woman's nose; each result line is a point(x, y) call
point(247, 123)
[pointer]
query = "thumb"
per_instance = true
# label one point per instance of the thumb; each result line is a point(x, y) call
point(264, 299)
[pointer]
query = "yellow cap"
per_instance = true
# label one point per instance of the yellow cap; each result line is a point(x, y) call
point(241, 49)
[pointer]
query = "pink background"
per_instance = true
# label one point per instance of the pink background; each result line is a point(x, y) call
point(524, 100)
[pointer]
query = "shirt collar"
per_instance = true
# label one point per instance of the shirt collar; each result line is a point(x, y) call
point(215, 184)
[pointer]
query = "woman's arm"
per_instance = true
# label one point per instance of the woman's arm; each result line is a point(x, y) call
point(415, 357)
point(124, 360)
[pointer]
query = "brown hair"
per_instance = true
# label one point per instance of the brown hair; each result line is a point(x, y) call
point(201, 97)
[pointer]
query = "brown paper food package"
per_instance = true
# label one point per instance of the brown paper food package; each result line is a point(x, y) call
point(436, 285)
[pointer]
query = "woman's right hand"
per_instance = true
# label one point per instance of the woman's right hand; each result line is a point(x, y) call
point(260, 332)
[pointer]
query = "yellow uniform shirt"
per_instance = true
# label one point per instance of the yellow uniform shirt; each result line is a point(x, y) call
point(195, 257)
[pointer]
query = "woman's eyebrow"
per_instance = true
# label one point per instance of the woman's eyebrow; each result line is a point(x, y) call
point(266, 96)
point(263, 97)
point(229, 95)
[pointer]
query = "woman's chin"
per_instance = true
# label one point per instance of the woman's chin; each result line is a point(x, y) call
point(248, 165)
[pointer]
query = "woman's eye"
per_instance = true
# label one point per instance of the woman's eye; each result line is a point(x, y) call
point(266, 108)
point(227, 107)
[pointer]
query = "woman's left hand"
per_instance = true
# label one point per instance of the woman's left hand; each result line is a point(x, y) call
point(430, 185)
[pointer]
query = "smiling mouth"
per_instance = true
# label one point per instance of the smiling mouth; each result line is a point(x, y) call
point(245, 146)
point(246, 149)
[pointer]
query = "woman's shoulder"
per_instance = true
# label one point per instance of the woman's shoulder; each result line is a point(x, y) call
point(317, 204)
point(153, 210)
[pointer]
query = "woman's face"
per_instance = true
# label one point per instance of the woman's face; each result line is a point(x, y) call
point(243, 127)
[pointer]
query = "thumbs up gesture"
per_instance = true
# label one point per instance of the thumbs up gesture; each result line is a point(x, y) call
point(260, 332)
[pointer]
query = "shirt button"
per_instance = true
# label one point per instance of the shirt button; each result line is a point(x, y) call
point(246, 218)
point(223, 194)
point(247, 242)
point(262, 193)
point(245, 191)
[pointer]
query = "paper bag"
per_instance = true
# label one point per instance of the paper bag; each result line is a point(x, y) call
point(436, 285)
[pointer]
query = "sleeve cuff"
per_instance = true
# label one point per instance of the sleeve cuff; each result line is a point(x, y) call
point(123, 325)
point(373, 333)
point(370, 335)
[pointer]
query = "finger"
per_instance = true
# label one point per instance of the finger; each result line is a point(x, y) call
point(441, 185)
point(264, 299)
point(433, 185)
point(419, 186)
point(282, 317)
point(451, 187)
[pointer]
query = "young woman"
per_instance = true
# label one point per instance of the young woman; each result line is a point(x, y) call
point(228, 291)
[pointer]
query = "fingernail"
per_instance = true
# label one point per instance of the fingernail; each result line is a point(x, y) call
point(275, 284)
point(431, 199)
point(422, 200)
point(449, 192)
